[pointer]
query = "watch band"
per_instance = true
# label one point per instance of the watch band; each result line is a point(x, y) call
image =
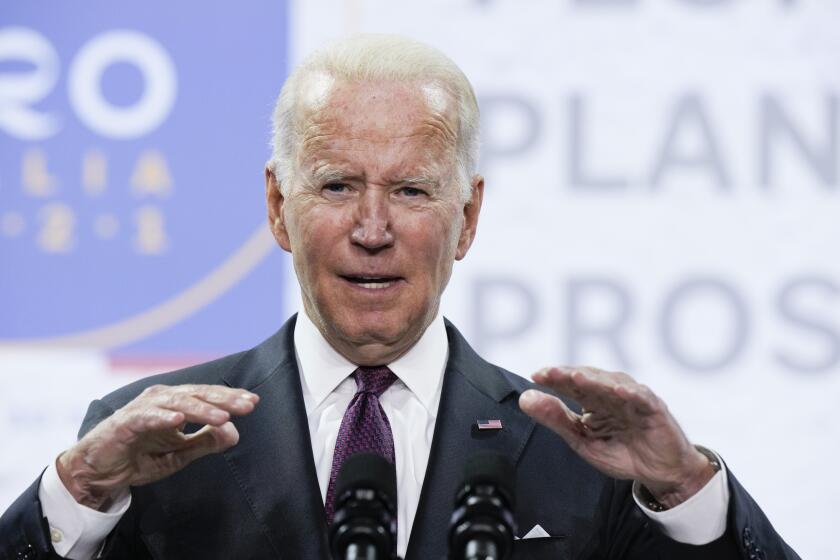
point(650, 502)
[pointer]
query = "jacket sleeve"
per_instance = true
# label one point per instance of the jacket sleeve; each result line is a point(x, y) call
point(25, 532)
point(749, 534)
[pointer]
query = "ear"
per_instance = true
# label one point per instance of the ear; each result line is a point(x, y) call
point(274, 200)
point(471, 211)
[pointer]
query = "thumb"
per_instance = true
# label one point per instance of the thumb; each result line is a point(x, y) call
point(552, 413)
point(207, 440)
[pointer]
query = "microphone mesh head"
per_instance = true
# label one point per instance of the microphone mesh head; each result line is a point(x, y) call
point(488, 467)
point(368, 470)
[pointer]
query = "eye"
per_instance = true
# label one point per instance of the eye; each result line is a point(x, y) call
point(412, 192)
point(336, 187)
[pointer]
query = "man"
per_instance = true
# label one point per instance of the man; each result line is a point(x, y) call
point(373, 189)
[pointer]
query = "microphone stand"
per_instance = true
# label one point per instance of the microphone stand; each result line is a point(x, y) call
point(361, 551)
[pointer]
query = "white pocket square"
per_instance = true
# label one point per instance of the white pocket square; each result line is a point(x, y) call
point(536, 533)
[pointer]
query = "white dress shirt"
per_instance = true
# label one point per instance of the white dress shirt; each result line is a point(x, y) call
point(411, 405)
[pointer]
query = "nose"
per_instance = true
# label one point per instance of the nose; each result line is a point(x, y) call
point(372, 230)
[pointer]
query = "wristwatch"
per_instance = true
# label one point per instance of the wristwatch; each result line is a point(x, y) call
point(650, 502)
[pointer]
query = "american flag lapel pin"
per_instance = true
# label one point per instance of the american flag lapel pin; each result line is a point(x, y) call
point(489, 424)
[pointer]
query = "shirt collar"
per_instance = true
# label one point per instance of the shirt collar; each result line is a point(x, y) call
point(322, 368)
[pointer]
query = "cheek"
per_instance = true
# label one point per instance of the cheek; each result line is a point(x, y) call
point(449, 231)
point(432, 244)
point(316, 232)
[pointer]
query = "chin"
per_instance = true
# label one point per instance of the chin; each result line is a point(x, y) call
point(387, 329)
point(373, 330)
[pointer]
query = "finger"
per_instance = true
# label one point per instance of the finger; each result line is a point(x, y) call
point(552, 413)
point(209, 439)
point(574, 379)
point(596, 421)
point(619, 402)
point(233, 400)
point(588, 373)
point(639, 400)
point(558, 379)
point(550, 375)
point(601, 391)
point(215, 438)
point(574, 383)
point(148, 419)
point(193, 409)
point(592, 380)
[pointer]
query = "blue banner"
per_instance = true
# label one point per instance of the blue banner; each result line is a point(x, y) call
point(132, 143)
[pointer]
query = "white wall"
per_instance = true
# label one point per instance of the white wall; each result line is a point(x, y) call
point(662, 198)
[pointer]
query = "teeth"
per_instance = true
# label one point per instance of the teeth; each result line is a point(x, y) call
point(375, 285)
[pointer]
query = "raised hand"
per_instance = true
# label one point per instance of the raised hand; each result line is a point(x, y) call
point(624, 430)
point(143, 441)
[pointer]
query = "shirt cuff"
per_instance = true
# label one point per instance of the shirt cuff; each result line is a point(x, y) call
point(76, 531)
point(700, 519)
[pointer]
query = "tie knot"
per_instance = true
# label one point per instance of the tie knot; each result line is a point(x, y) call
point(373, 379)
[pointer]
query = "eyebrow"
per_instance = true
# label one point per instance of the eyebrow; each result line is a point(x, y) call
point(418, 180)
point(330, 174)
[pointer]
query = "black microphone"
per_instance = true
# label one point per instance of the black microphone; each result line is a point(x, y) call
point(482, 525)
point(365, 522)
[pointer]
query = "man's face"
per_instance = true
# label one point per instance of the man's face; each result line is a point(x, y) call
point(373, 218)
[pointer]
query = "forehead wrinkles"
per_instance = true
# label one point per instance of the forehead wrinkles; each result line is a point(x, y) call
point(395, 162)
point(424, 153)
point(379, 114)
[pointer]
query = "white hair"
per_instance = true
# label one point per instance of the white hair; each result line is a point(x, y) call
point(375, 57)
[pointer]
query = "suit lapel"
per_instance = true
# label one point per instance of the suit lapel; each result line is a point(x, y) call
point(472, 390)
point(273, 462)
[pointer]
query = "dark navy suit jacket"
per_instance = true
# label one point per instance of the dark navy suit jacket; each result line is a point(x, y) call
point(261, 499)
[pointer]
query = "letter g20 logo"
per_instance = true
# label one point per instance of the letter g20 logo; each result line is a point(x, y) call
point(126, 161)
point(21, 92)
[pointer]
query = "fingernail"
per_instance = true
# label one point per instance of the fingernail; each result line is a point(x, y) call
point(219, 414)
point(529, 397)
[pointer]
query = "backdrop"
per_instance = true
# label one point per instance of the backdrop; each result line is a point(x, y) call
point(662, 198)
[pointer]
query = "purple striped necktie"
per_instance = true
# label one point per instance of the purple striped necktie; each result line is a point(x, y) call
point(364, 428)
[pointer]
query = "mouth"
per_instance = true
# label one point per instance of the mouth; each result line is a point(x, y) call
point(372, 282)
